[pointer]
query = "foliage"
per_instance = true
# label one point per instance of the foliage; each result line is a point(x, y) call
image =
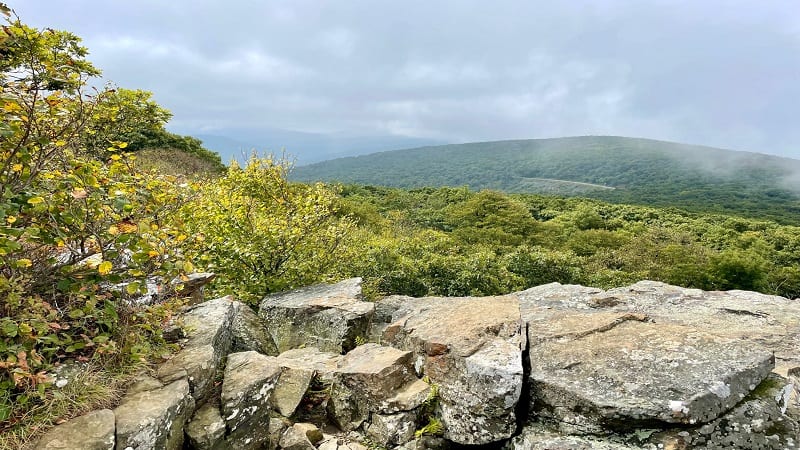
point(260, 233)
point(454, 242)
point(75, 223)
point(617, 169)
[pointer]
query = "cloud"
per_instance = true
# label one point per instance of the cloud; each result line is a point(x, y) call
point(719, 73)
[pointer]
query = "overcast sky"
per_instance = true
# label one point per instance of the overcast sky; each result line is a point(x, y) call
point(722, 73)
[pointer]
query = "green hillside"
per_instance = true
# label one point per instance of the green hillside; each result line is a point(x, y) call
point(617, 169)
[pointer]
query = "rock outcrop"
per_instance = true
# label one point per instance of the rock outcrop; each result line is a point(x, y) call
point(648, 366)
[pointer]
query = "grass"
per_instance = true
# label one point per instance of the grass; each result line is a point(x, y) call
point(92, 388)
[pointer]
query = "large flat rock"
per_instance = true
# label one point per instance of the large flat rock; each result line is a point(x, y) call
point(593, 369)
point(471, 348)
point(329, 317)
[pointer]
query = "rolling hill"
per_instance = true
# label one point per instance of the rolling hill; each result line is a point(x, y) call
point(617, 169)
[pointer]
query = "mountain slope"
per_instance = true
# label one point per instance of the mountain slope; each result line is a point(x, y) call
point(640, 171)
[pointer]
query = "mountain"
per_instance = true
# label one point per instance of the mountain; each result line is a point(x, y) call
point(305, 148)
point(618, 169)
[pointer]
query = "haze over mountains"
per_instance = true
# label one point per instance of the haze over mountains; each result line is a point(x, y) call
point(304, 148)
point(619, 169)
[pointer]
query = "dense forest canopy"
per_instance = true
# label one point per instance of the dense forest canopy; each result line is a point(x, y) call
point(625, 170)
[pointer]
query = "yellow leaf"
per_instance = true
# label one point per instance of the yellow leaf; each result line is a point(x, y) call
point(61, 143)
point(24, 262)
point(35, 200)
point(17, 167)
point(122, 144)
point(116, 157)
point(11, 219)
point(104, 268)
point(113, 230)
point(152, 253)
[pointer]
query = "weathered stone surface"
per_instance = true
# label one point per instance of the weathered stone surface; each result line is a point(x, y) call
point(471, 348)
point(294, 438)
point(206, 429)
point(311, 431)
point(143, 383)
point(758, 423)
point(406, 398)
point(290, 389)
point(250, 332)
point(154, 419)
point(597, 370)
point(365, 378)
point(539, 438)
point(249, 380)
point(328, 317)
point(92, 431)
point(341, 443)
point(773, 322)
point(323, 363)
point(390, 430)
point(208, 340)
point(276, 428)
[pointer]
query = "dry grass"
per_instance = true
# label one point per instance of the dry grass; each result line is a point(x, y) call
point(92, 388)
point(176, 162)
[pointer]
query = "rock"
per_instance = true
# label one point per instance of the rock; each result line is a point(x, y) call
point(144, 383)
point(66, 373)
point(770, 321)
point(327, 317)
point(193, 285)
point(364, 380)
point(407, 398)
point(250, 332)
point(276, 428)
point(322, 363)
point(290, 390)
point(310, 430)
point(249, 380)
point(208, 340)
point(154, 419)
point(294, 438)
point(92, 431)
point(592, 371)
point(206, 430)
point(759, 422)
point(537, 437)
point(471, 348)
point(389, 430)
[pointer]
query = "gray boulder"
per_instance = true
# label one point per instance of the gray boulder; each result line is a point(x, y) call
point(327, 317)
point(208, 339)
point(92, 431)
point(364, 380)
point(206, 430)
point(295, 438)
point(597, 370)
point(154, 420)
point(471, 348)
point(250, 332)
point(390, 430)
point(250, 378)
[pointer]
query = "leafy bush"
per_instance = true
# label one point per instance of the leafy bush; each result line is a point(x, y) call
point(260, 233)
point(76, 221)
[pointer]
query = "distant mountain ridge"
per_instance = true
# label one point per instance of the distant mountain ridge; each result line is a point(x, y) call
point(640, 171)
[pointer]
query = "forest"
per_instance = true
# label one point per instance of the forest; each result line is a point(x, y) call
point(626, 170)
point(98, 201)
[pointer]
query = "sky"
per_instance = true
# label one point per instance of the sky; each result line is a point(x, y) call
point(723, 73)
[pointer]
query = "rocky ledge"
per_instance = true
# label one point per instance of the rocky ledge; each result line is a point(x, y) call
point(648, 366)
